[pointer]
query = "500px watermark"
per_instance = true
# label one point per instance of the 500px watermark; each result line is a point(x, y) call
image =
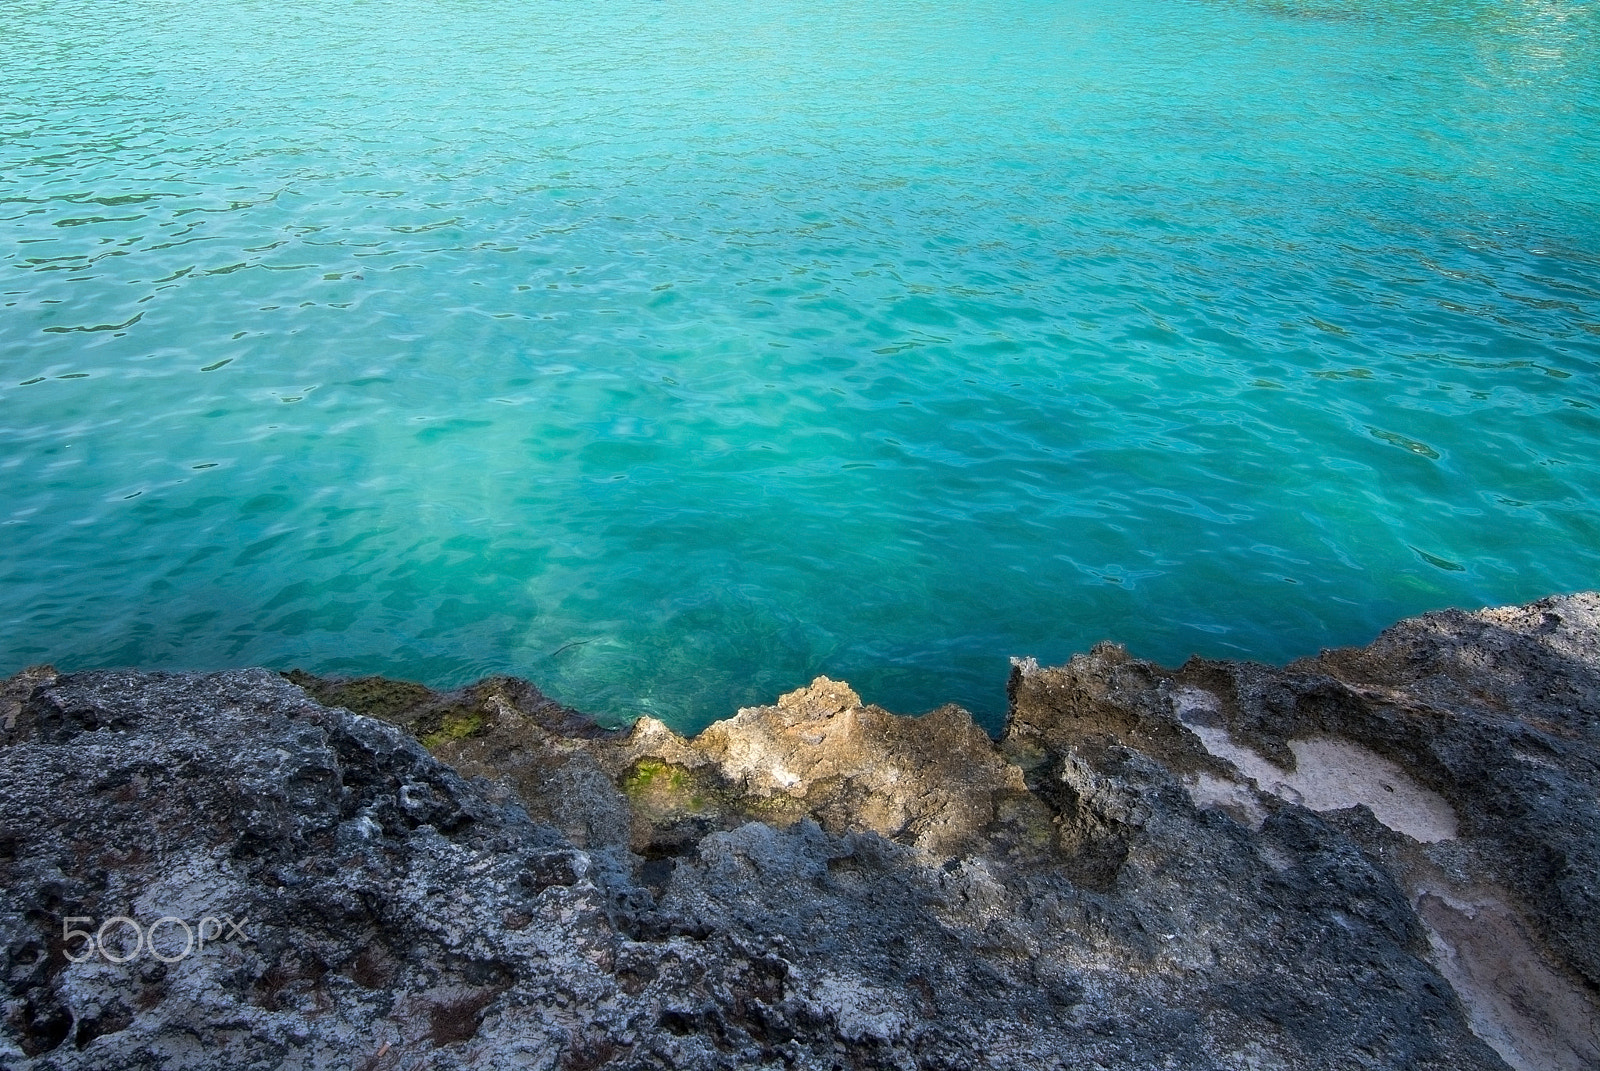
point(178, 939)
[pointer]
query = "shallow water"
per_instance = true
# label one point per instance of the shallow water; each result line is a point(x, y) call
point(670, 354)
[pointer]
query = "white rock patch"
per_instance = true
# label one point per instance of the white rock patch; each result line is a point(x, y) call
point(1230, 796)
point(1330, 774)
point(1532, 1015)
point(863, 1012)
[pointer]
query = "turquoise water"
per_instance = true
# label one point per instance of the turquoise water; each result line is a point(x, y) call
point(670, 354)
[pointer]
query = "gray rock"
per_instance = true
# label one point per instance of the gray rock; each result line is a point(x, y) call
point(1209, 867)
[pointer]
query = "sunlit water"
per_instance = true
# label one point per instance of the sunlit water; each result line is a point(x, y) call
point(672, 353)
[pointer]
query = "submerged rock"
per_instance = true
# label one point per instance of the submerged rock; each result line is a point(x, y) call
point(1386, 857)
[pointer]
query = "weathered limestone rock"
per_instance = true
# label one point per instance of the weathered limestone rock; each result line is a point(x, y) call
point(1385, 858)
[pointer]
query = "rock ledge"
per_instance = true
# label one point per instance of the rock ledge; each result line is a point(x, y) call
point(1385, 857)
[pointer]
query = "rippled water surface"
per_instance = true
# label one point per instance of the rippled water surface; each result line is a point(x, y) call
point(672, 353)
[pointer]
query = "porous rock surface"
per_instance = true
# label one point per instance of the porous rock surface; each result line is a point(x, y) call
point(818, 883)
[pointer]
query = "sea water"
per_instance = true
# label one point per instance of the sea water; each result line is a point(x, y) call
point(670, 353)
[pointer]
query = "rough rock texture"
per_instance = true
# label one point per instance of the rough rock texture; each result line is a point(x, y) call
point(819, 883)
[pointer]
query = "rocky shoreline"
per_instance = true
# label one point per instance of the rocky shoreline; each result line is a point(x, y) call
point(1384, 857)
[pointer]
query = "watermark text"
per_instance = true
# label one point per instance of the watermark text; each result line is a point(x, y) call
point(121, 939)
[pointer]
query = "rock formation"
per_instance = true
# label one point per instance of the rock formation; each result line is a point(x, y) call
point(1386, 857)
